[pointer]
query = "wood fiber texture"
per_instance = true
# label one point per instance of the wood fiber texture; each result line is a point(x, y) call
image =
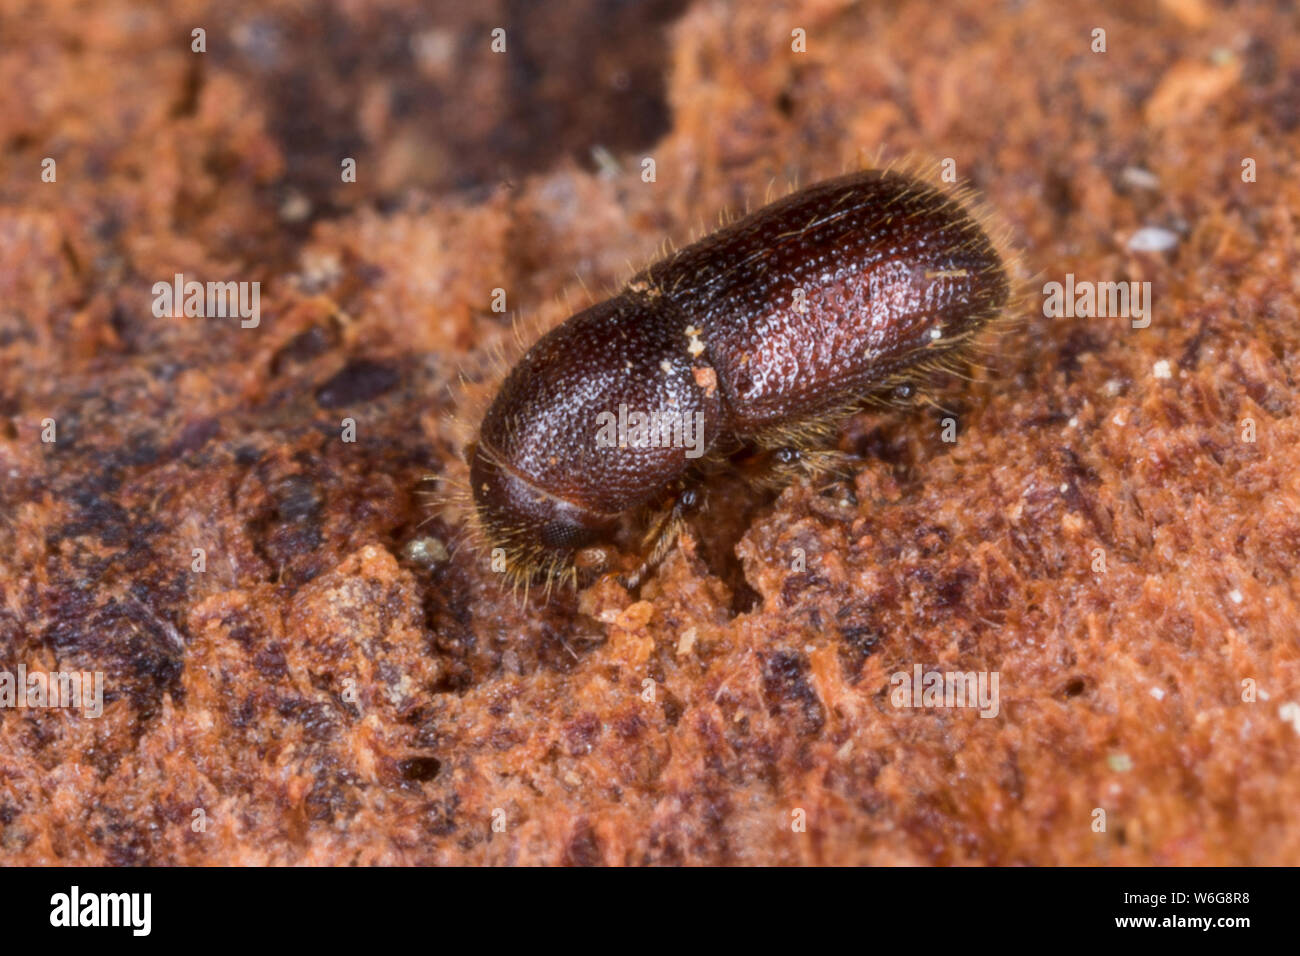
point(337, 688)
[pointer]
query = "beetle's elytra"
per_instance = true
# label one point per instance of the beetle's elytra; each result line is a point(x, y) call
point(764, 333)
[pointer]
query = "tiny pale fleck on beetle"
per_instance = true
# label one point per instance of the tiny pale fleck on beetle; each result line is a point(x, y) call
point(706, 379)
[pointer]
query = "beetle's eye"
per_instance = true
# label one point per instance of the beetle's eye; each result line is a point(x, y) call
point(561, 534)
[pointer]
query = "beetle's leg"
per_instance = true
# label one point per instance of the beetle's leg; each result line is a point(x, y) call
point(789, 464)
point(663, 535)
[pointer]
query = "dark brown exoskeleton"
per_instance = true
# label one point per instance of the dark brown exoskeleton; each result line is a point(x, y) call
point(762, 333)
